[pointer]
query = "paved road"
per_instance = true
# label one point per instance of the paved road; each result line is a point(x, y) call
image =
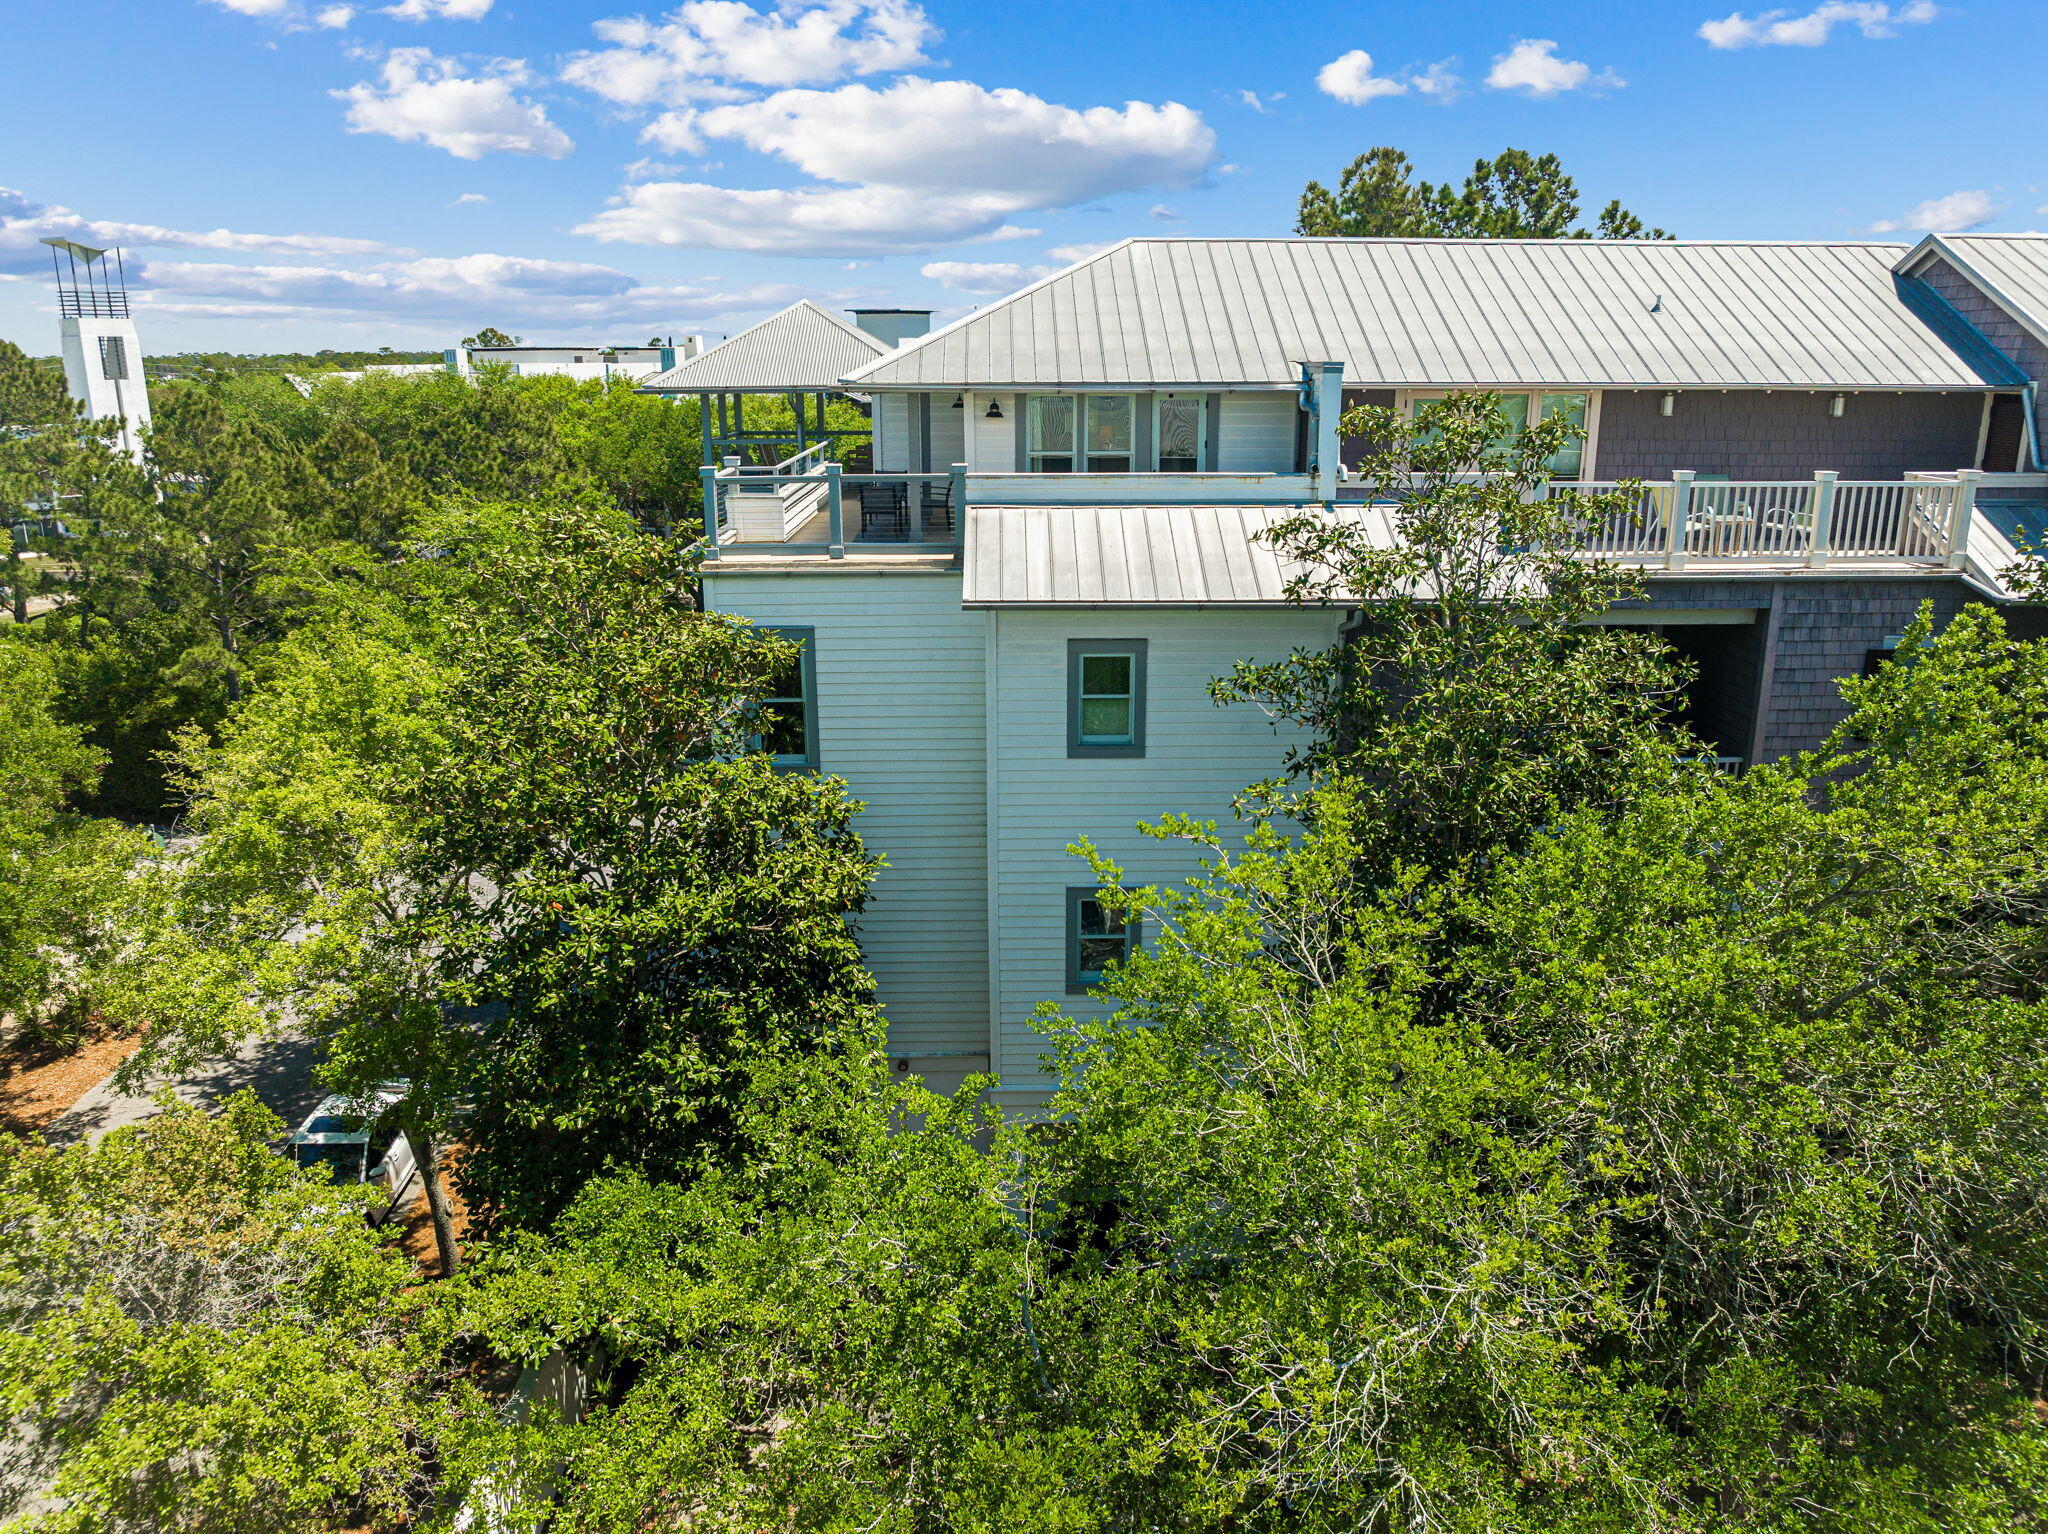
point(281, 1071)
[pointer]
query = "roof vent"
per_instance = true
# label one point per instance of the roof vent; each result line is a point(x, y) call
point(892, 327)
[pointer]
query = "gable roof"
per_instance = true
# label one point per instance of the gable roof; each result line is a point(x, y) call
point(1447, 314)
point(2011, 269)
point(802, 348)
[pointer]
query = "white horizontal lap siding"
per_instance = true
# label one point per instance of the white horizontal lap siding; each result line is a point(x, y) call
point(995, 442)
point(895, 439)
point(900, 717)
point(949, 432)
point(1197, 758)
point(1255, 432)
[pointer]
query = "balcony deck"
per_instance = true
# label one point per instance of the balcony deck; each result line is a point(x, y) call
point(806, 510)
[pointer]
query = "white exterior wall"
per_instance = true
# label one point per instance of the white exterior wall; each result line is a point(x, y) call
point(1197, 758)
point(104, 398)
point(895, 438)
point(1256, 432)
point(994, 443)
point(899, 669)
point(949, 431)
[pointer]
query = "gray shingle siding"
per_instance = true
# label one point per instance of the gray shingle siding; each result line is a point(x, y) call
point(1785, 435)
point(1810, 633)
point(1992, 321)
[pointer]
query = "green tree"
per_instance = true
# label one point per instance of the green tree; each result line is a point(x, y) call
point(1470, 698)
point(1683, 1171)
point(60, 872)
point(201, 1337)
point(490, 825)
point(1515, 195)
point(490, 335)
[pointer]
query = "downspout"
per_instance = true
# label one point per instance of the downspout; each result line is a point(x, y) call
point(2033, 435)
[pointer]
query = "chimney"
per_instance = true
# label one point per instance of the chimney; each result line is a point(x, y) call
point(892, 327)
point(691, 346)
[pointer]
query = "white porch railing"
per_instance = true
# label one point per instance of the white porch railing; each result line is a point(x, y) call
point(1922, 519)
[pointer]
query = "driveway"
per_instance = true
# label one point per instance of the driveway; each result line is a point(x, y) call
point(280, 1070)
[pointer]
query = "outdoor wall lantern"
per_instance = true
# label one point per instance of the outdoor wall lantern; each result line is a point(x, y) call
point(957, 400)
point(995, 411)
point(1837, 404)
point(1665, 404)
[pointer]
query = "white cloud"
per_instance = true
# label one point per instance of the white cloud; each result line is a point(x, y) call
point(439, 10)
point(1955, 212)
point(1258, 103)
point(467, 198)
point(24, 222)
point(804, 221)
point(1067, 255)
point(990, 277)
point(704, 49)
point(1350, 79)
point(1533, 68)
point(290, 14)
point(422, 98)
point(918, 164)
point(1163, 213)
point(675, 131)
point(1783, 29)
point(956, 137)
point(462, 290)
point(1439, 82)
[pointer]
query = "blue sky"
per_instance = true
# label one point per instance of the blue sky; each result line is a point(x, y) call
point(301, 173)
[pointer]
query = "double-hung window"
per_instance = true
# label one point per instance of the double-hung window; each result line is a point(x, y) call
point(1521, 407)
point(1096, 939)
point(1105, 697)
point(789, 710)
point(1092, 432)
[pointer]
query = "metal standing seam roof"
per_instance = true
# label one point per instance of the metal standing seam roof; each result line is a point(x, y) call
point(802, 348)
point(1129, 556)
point(1211, 556)
point(1447, 314)
point(2012, 269)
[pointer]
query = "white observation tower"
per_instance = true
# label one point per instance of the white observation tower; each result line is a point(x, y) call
point(102, 356)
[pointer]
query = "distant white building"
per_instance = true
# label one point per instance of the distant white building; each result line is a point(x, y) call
point(102, 354)
point(591, 361)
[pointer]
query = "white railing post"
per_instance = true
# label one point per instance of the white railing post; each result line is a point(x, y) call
point(1681, 513)
point(710, 511)
point(835, 514)
point(1822, 529)
point(1959, 524)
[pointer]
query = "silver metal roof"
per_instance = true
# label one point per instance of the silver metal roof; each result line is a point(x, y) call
point(2012, 269)
point(1128, 556)
point(802, 348)
point(1447, 313)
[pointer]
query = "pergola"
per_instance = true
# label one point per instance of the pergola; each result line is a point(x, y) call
point(799, 355)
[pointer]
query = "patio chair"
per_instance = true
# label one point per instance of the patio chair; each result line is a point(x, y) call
point(935, 506)
point(884, 513)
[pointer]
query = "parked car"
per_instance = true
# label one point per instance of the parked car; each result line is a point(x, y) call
point(355, 1142)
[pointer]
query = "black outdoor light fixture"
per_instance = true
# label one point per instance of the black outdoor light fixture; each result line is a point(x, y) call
point(995, 411)
point(957, 399)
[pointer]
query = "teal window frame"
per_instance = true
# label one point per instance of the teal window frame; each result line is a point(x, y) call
point(1080, 979)
point(1078, 653)
point(807, 701)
